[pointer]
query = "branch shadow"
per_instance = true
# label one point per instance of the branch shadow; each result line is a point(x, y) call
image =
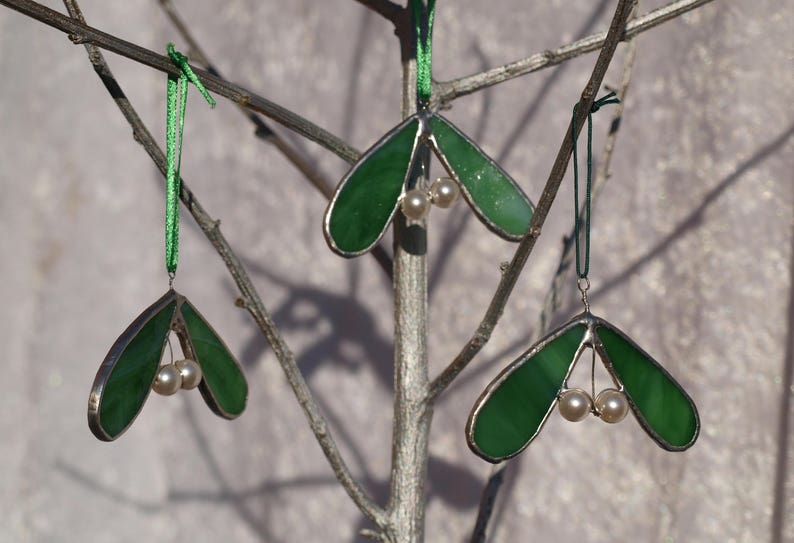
point(354, 81)
point(308, 309)
point(695, 219)
point(231, 497)
point(88, 481)
point(692, 221)
point(236, 499)
point(453, 235)
point(528, 117)
point(784, 422)
point(452, 484)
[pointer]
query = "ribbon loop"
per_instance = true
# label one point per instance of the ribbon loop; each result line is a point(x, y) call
point(423, 26)
point(176, 105)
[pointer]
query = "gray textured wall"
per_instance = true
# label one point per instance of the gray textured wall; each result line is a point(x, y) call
point(692, 255)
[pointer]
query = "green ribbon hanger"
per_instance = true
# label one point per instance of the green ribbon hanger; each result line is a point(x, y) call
point(177, 94)
point(423, 26)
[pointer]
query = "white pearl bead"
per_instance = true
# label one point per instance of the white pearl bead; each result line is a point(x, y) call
point(168, 380)
point(444, 192)
point(611, 405)
point(190, 372)
point(415, 204)
point(575, 404)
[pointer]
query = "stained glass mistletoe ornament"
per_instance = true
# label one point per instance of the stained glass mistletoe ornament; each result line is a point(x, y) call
point(368, 195)
point(513, 408)
point(511, 411)
point(132, 367)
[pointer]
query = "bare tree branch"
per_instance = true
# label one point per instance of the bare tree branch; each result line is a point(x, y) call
point(513, 271)
point(446, 91)
point(80, 33)
point(252, 300)
point(412, 414)
point(267, 134)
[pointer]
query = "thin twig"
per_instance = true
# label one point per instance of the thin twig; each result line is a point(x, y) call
point(253, 301)
point(374, 535)
point(511, 274)
point(494, 484)
point(487, 502)
point(264, 132)
point(82, 34)
point(446, 91)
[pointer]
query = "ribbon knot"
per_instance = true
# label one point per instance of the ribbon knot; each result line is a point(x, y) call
point(610, 98)
point(181, 62)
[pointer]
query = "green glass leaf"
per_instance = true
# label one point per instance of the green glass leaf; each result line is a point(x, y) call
point(662, 407)
point(495, 197)
point(366, 199)
point(125, 377)
point(223, 387)
point(512, 409)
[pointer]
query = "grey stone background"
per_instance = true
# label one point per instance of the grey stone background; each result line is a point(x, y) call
point(692, 255)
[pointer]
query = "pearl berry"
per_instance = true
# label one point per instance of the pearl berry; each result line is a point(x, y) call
point(190, 372)
point(575, 404)
point(611, 405)
point(168, 380)
point(415, 204)
point(444, 192)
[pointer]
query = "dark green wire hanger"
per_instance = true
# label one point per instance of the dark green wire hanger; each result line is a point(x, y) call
point(611, 98)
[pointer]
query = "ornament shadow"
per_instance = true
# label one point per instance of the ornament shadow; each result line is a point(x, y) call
point(527, 118)
point(783, 436)
point(454, 233)
point(695, 219)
